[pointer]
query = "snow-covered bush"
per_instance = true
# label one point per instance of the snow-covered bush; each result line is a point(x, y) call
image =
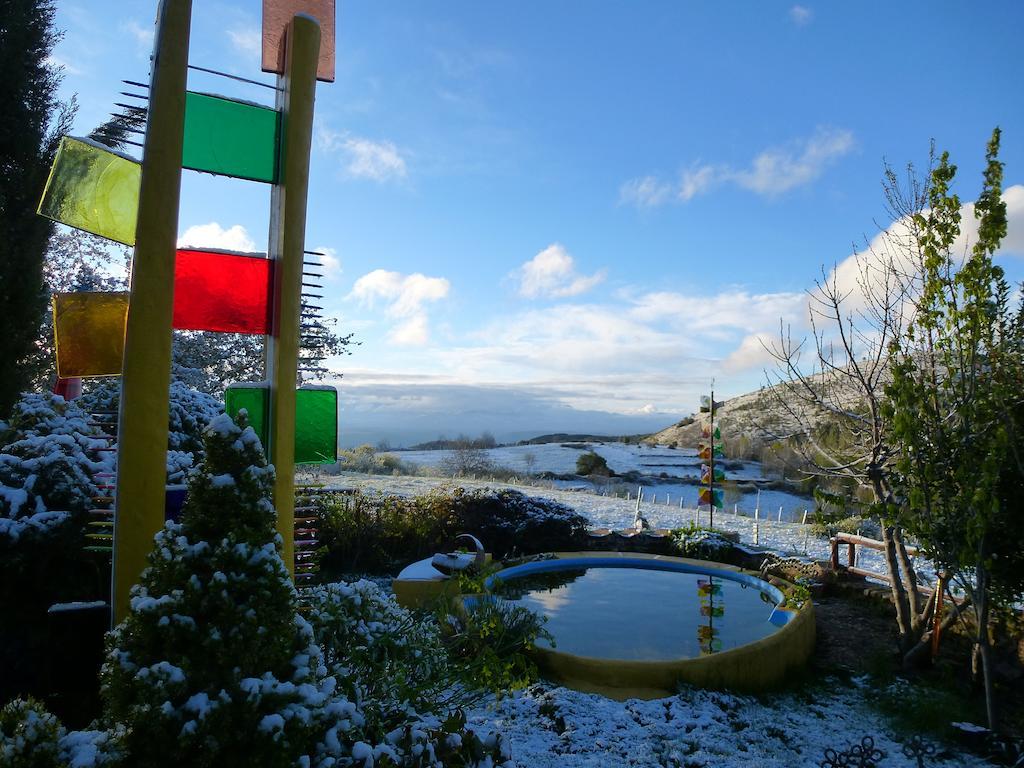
point(394, 663)
point(49, 460)
point(377, 532)
point(212, 663)
point(702, 543)
point(29, 736)
point(190, 413)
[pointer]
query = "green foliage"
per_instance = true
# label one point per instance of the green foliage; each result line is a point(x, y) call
point(795, 595)
point(592, 463)
point(29, 736)
point(379, 533)
point(491, 640)
point(955, 393)
point(31, 124)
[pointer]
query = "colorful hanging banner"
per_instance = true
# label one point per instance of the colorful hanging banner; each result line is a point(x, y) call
point(316, 418)
point(277, 14)
point(704, 451)
point(231, 138)
point(705, 474)
point(704, 497)
point(94, 189)
point(88, 331)
point(715, 611)
point(219, 291)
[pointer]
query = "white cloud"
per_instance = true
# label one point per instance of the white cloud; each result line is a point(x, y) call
point(801, 15)
point(143, 35)
point(771, 172)
point(405, 297)
point(59, 63)
point(246, 40)
point(331, 264)
point(778, 170)
point(752, 353)
point(552, 274)
point(213, 235)
point(644, 192)
point(696, 181)
point(364, 158)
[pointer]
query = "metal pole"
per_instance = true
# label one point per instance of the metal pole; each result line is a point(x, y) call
point(146, 371)
point(295, 99)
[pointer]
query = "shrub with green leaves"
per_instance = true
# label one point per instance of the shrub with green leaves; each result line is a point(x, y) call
point(701, 543)
point(492, 639)
point(591, 463)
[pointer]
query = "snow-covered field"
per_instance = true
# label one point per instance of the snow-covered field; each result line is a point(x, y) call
point(554, 727)
point(652, 461)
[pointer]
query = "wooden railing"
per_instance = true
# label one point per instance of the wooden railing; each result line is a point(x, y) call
point(852, 541)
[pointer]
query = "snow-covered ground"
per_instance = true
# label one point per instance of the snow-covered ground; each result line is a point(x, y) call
point(554, 727)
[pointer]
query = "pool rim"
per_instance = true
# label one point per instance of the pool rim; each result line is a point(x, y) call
point(755, 666)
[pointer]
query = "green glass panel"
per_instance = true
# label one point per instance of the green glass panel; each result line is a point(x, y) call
point(316, 425)
point(255, 399)
point(316, 418)
point(230, 138)
point(94, 189)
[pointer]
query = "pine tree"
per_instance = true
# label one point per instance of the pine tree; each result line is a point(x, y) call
point(213, 665)
point(31, 123)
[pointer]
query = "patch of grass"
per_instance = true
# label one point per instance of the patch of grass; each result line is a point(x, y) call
point(925, 707)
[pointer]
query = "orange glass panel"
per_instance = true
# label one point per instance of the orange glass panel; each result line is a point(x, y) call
point(277, 14)
point(88, 330)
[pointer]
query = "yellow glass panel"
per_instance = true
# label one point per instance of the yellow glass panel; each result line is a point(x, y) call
point(93, 188)
point(88, 330)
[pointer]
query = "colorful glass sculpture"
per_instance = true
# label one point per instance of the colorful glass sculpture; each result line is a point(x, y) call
point(316, 425)
point(276, 16)
point(92, 188)
point(316, 418)
point(705, 474)
point(230, 138)
point(705, 497)
point(227, 292)
point(88, 331)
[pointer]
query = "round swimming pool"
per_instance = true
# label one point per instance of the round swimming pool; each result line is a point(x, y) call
point(635, 622)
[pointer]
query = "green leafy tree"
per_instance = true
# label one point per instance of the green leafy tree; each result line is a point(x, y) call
point(31, 123)
point(956, 404)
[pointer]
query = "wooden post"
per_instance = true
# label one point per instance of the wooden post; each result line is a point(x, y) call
point(296, 96)
point(834, 554)
point(146, 372)
point(851, 554)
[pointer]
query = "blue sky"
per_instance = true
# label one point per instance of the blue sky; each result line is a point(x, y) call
point(574, 215)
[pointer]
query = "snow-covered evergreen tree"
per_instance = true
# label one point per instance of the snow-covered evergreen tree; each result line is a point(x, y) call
point(213, 664)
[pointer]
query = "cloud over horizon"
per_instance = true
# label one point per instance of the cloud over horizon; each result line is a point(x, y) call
point(404, 298)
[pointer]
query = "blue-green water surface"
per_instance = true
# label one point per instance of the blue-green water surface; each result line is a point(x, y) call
point(644, 615)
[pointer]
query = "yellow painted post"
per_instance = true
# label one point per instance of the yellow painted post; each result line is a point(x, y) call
point(296, 96)
point(145, 378)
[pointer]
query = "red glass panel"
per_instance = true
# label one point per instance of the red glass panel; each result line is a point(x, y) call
point(225, 292)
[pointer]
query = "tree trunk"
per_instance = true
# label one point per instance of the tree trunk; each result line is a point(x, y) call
point(899, 593)
point(984, 650)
